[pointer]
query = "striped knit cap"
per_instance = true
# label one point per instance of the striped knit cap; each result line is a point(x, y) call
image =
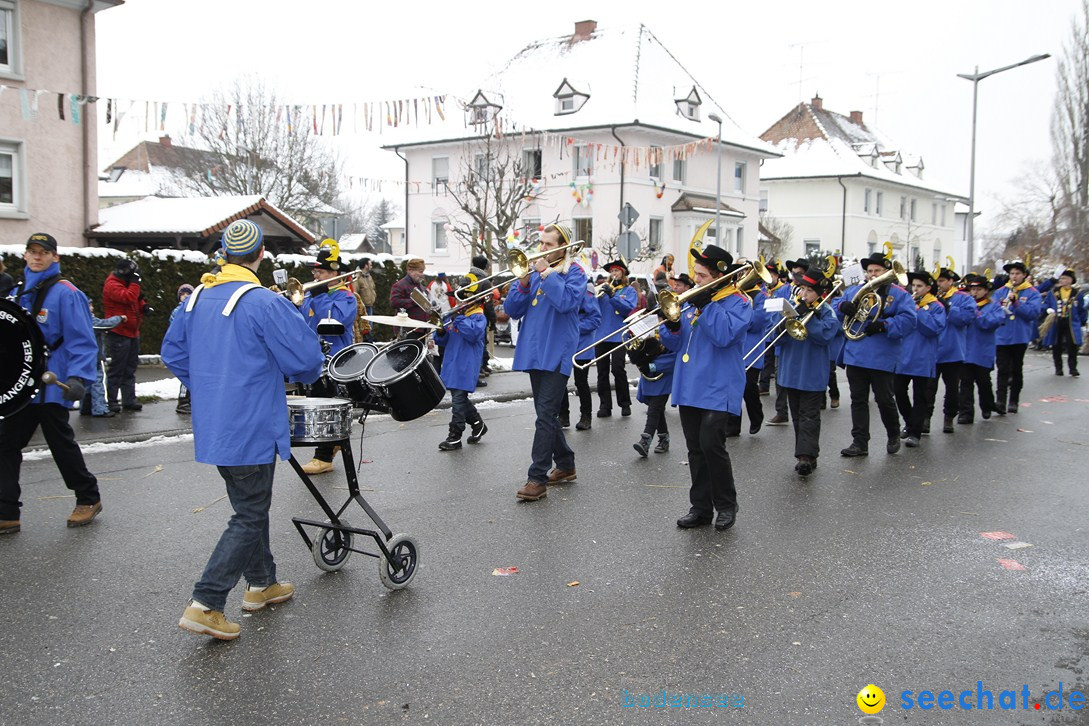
point(241, 237)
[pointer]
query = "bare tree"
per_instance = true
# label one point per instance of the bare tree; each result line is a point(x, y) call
point(609, 249)
point(253, 149)
point(1070, 141)
point(782, 232)
point(492, 191)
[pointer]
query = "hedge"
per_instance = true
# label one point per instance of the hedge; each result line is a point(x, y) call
point(163, 271)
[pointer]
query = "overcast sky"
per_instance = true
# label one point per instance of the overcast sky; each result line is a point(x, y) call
point(895, 61)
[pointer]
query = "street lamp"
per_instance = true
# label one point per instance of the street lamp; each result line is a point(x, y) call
point(718, 180)
point(975, 78)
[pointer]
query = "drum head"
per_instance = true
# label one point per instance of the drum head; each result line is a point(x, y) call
point(350, 363)
point(21, 371)
point(394, 362)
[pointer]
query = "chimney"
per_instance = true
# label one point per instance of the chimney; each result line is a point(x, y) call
point(583, 30)
point(817, 102)
point(165, 141)
point(856, 118)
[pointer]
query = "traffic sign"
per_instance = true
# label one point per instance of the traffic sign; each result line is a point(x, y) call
point(628, 215)
point(628, 244)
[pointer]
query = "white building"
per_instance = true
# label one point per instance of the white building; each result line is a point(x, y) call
point(843, 187)
point(599, 118)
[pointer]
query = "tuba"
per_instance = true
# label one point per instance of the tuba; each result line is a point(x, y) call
point(869, 304)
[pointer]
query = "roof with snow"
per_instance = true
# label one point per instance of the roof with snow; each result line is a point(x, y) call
point(628, 76)
point(817, 143)
point(195, 217)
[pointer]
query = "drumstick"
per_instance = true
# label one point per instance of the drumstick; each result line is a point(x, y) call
point(51, 377)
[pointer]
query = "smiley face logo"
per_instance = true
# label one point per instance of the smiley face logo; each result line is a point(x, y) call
point(871, 699)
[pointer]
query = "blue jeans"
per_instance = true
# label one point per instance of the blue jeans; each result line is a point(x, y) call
point(549, 444)
point(243, 548)
point(98, 392)
point(462, 411)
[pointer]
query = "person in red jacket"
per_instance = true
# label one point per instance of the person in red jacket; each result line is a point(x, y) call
point(121, 295)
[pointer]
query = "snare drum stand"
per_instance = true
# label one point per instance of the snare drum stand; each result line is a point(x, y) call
point(399, 554)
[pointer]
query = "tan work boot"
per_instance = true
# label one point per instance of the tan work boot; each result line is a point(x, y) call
point(9, 526)
point(208, 622)
point(560, 476)
point(83, 514)
point(317, 466)
point(277, 592)
point(532, 491)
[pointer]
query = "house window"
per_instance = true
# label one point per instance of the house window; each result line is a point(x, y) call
point(584, 160)
point(440, 173)
point(871, 247)
point(654, 236)
point(943, 215)
point(916, 260)
point(568, 100)
point(763, 201)
point(656, 165)
point(812, 247)
point(584, 230)
point(480, 115)
point(866, 201)
point(8, 42)
point(937, 252)
point(11, 178)
point(531, 163)
point(481, 166)
point(680, 167)
point(903, 207)
point(912, 210)
point(438, 236)
point(934, 213)
point(740, 239)
point(565, 104)
point(880, 203)
point(739, 177)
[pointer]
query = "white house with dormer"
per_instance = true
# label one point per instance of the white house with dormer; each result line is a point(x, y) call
point(844, 187)
point(600, 118)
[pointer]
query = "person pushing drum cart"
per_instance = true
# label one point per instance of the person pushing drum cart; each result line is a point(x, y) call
point(232, 346)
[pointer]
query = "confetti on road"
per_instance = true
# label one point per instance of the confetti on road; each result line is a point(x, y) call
point(505, 571)
point(1024, 431)
point(198, 510)
point(1012, 565)
point(996, 535)
point(794, 594)
point(573, 583)
point(927, 483)
point(1051, 399)
point(156, 470)
point(1016, 545)
point(998, 441)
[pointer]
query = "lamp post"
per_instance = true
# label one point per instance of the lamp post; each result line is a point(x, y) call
point(975, 78)
point(718, 181)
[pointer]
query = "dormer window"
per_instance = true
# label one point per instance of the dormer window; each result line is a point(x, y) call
point(689, 106)
point(568, 100)
point(482, 110)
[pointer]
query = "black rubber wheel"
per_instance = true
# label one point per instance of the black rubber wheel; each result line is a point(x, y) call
point(397, 571)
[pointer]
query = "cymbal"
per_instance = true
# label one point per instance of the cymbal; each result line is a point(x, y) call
point(401, 320)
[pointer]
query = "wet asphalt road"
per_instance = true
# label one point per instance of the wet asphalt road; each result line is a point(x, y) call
point(872, 571)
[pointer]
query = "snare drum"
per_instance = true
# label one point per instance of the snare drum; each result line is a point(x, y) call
point(404, 375)
point(347, 367)
point(319, 420)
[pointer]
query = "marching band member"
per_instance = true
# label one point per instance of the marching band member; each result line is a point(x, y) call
point(788, 292)
point(1064, 301)
point(1021, 303)
point(801, 368)
point(918, 364)
point(707, 386)
point(758, 326)
point(979, 350)
point(462, 335)
point(337, 302)
point(617, 301)
point(547, 300)
point(870, 361)
point(62, 313)
point(589, 322)
point(235, 365)
point(774, 289)
point(655, 394)
point(960, 311)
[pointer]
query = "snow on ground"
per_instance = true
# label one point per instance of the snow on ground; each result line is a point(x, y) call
point(501, 364)
point(165, 389)
point(101, 448)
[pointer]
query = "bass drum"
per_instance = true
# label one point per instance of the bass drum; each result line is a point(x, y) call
point(404, 375)
point(346, 368)
point(23, 360)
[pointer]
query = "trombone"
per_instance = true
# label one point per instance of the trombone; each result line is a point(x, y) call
point(296, 290)
point(794, 327)
point(869, 303)
point(519, 264)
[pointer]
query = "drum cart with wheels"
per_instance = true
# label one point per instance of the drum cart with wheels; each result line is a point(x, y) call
point(328, 421)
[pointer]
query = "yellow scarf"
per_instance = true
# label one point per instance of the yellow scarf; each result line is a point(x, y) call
point(927, 299)
point(724, 293)
point(984, 301)
point(229, 273)
point(1023, 286)
point(950, 294)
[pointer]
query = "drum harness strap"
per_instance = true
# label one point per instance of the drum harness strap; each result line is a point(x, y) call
point(40, 291)
point(231, 303)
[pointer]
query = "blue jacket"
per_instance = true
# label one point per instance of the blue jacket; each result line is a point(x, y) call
point(803, 364)
point(758, 326)
point(235, 366)
point(709, 373)
point(919, 351)
point(959, 315)
point(979, 339)
point(339, 304)
point(1074, 316)
point(835, 348)
point(1022, 318)
point(548, 310)
point(64, 314)
point(589, 322)
point(664, 363)
point(463, 337)
point(101, 325)
point(881, 352)
point(614, 310)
